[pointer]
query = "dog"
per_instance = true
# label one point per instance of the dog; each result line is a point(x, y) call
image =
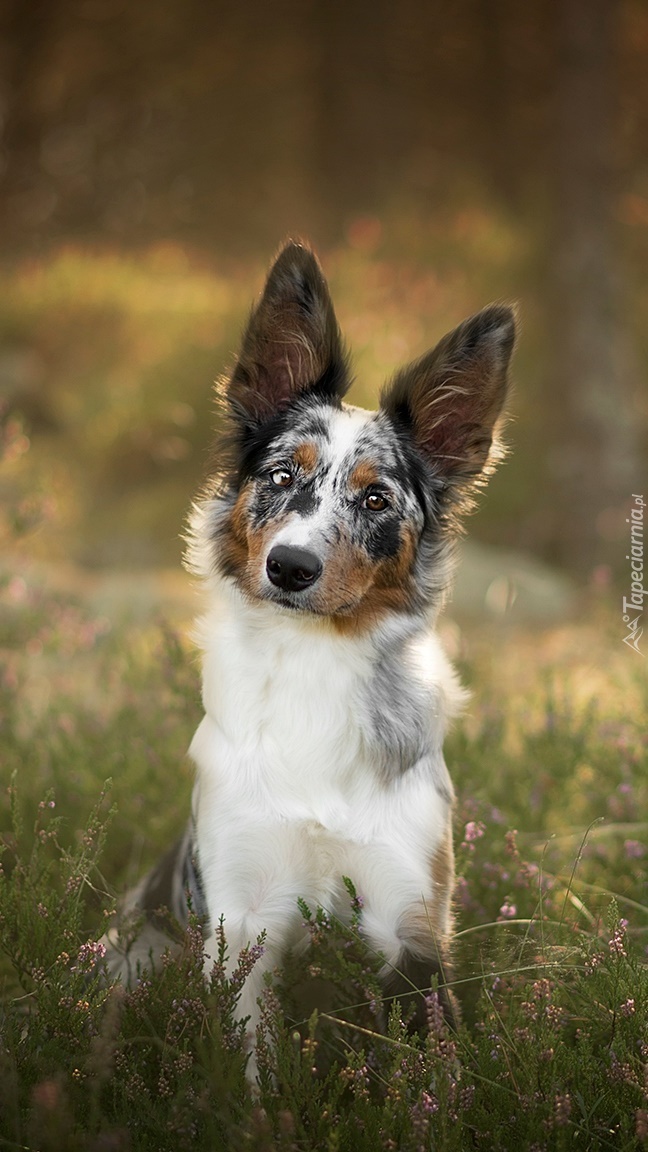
point(326, 542)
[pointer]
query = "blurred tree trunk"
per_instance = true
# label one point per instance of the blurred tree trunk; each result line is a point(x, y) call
point(356, 140)
point(25, 30)
point(493, 103)
point(593, 445)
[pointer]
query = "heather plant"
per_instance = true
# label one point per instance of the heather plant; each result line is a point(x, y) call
point(550, 951)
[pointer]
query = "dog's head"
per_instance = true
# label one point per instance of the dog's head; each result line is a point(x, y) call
point(324, 508)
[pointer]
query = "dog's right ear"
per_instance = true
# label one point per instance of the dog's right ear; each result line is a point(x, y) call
point(451, 400)
point(292, 344)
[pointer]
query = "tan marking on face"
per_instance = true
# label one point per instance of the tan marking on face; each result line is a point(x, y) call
point(239, 515)
point(397, 568)
point(258, 546)
point(306, 456)
point(370, 611)
point(347, 576)
point(244, 549)
point(364, 475)
point(234, 544)
point(389, 590)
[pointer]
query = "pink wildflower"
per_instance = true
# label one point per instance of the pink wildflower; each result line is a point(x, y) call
point(89, 955)
point(507, 911)
point(616, 944)
point(473, 831)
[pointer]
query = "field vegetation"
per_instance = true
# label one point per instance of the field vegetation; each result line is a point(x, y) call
point(551, 915)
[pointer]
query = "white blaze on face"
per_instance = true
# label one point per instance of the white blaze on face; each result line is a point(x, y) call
point(301, 531)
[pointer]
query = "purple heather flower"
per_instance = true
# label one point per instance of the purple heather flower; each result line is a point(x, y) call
point(88, 956)
point(562, 1109)
point(507, 911)
point(616, 944)
point(473, 830)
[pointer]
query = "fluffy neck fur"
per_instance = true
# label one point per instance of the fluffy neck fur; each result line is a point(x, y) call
point(300, 702)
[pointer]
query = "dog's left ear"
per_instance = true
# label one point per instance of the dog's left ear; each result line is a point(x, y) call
point(451, 399)
point(292, 343)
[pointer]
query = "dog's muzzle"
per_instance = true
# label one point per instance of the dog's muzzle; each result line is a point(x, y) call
point(292, 569)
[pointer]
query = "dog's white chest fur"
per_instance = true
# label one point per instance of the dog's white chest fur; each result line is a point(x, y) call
point(290, 797)
point(281, 726)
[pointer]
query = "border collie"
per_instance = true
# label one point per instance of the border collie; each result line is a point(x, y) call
point(325, 540)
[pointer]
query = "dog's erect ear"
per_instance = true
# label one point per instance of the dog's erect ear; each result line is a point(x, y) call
point(451, 399)
point(292, 343)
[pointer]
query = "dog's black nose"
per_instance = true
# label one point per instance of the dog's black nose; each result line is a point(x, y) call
point(292, 568)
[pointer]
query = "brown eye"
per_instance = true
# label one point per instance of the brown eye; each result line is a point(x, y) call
point(281, 477)
point(374, 502)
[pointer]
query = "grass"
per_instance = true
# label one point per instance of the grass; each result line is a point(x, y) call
point(551, 917)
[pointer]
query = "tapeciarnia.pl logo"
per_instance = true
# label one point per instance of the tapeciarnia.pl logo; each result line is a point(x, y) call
point(637, 591)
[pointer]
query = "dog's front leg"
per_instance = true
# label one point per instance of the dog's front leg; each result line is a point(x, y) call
point(255, 887)
point(408, 975)
point(407, 918)
point(243, 951)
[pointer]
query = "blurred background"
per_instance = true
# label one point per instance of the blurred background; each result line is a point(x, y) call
point(438, 155)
